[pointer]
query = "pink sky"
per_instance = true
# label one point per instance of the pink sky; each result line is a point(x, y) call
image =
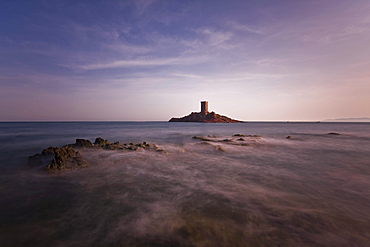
point(152, 60)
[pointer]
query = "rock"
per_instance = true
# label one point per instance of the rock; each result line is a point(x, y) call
point(333, 133)
point(133, 148)
point(37, 160)
point(66, 158)
point(54, 158)
point(49, 151)
point(143, 145)
point(202, 138)
point(101, 142)
point(289, 137)
point(241, 139)
point(82, 143)
point(112, 146)
point(239, 135)
point(42, 159)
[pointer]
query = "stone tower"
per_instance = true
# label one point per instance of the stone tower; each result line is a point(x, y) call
point(204, 107)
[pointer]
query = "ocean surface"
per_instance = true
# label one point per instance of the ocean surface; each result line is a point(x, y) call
point(312, 190)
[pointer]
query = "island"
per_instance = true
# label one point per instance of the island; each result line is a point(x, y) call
point(204, 116)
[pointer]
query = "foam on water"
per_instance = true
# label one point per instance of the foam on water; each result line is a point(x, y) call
point(308, 191)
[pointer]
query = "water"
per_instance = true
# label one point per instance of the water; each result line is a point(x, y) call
point(312, 190)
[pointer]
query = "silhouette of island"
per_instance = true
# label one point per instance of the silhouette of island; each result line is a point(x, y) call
point(204, 116)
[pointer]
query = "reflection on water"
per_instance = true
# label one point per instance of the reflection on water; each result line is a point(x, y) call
point(309, 191)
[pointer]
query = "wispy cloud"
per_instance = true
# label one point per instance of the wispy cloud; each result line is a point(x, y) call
point(214, 37)
point(145, 62)
point(244, 28)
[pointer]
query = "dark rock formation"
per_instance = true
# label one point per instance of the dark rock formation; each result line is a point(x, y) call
point(54, 158)
point(82, 143)
point(289, 137)
point(101, 142)
point(65, 158)
point(49, 151)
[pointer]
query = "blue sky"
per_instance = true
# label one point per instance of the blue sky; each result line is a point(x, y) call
point(152, 60)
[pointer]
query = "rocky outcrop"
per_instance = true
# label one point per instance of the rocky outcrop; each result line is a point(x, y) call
point(54, 158)
point(211, 117)
point(101, 142)
point(82, 143)
point(66, 158)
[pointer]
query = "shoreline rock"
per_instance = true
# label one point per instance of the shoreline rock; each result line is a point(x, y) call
point(66, 158)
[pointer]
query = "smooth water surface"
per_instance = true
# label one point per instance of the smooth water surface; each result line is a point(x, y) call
point(312, 190)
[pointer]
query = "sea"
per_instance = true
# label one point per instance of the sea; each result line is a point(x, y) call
point(257, 188)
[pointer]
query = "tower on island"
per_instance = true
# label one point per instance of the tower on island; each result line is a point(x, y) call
point(204, 116)
point(204, 108)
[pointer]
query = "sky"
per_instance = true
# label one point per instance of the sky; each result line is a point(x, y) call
point(150, 60)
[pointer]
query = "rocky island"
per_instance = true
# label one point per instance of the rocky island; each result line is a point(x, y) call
point(204, 116)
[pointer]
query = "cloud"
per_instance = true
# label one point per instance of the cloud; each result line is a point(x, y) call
point(240, 27)
point(214, 37)
point(145, 62)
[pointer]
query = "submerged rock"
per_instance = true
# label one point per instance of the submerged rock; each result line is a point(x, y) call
point(42, 159)
point(246, 141)
point(39, 160)
point(289, 137)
